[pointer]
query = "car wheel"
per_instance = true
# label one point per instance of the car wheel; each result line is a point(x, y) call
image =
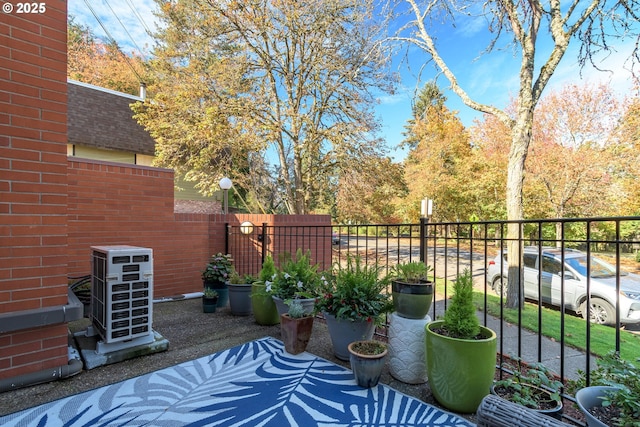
point(500, 285)
point(601, 312)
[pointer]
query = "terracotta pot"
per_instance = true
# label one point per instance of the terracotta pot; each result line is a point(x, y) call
point(295, 332)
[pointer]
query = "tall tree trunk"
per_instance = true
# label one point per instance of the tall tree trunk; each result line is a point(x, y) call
point(521, 137)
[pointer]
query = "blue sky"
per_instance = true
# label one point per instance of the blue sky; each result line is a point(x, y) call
point(490, 79)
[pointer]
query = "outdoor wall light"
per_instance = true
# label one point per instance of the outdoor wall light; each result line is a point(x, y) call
point(225, 185)
point(246, 227)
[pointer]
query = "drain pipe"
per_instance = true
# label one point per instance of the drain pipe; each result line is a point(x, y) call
point(180, 297)
point(65, 371)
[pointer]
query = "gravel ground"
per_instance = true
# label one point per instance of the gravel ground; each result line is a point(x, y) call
point(191, 334)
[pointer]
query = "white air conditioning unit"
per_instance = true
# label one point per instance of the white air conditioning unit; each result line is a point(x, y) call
point(121, 292)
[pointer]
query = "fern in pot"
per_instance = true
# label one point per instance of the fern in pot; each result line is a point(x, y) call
point(353, 301)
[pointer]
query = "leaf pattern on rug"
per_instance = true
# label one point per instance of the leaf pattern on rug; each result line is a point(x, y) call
point(253, 384)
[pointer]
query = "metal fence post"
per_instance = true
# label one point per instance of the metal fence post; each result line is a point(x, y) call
point(263, 240)
point(423, 238)
point(227, 229)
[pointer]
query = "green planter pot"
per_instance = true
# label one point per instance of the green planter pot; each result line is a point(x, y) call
point(412, 300)
point(460, 372)
point(264, 309)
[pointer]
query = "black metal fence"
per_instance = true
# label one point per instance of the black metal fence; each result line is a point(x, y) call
point(449, 248)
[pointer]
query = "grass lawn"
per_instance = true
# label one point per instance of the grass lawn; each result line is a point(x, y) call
point(603, 338)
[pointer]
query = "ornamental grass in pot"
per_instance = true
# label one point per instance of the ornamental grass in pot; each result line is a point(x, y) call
point(412, 291)
point(460, 354)
point(353, 300)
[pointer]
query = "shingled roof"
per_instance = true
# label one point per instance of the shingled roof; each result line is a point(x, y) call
point(102, 118)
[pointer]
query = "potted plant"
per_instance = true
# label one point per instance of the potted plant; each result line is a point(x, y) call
point(240, 293)
point(353, 301)
point(613, 398)
point(367, 360)
point(530, 385)
point(262, 304)
point(411, 290)
point(216, 276)
point(296, 326)
point(460, 353)
point(296, 278)
point(209, 300)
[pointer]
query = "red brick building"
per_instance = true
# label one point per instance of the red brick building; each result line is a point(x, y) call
point(53, 208)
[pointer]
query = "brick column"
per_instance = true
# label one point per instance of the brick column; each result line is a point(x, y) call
point(33, 183)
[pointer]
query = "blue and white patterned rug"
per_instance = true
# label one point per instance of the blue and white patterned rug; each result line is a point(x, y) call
point(254, 384)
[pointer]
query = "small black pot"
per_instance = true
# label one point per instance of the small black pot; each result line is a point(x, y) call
point(209, 304)
point(221, 288)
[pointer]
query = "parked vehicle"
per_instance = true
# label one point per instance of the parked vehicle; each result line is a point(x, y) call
point(335, 239)
point(602, 283)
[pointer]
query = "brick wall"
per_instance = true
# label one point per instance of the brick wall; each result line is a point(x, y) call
point(33, 182)
point(53, 209)
point(117, 204)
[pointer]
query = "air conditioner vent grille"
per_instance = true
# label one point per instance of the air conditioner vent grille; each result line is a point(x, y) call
point(121, 303)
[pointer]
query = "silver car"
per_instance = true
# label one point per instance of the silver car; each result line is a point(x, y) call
point(602, 283)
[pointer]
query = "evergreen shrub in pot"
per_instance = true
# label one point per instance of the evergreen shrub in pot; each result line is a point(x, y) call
point(461, 354)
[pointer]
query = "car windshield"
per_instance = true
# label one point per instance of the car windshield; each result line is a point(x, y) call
point(599, 268)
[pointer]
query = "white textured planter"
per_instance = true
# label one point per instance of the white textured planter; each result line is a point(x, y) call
point(407, 359)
